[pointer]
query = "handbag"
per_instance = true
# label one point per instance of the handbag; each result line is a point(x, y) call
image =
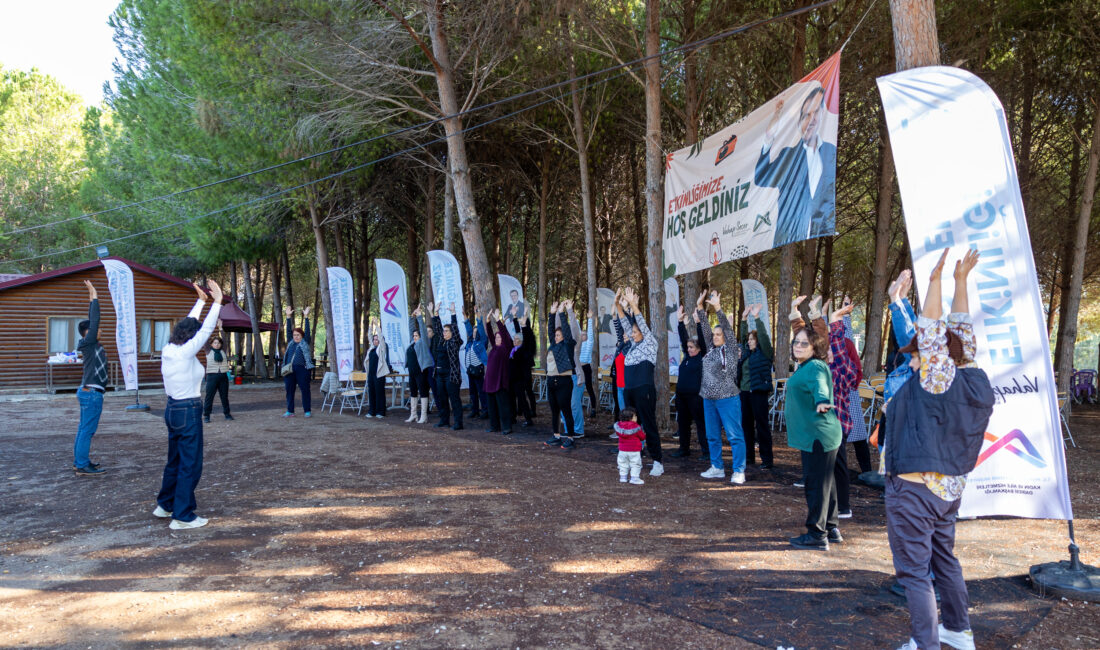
point(287, 369)
point(476, 372)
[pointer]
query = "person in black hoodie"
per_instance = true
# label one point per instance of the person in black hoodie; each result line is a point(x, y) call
point(521, 359)
point(559, 375)
point(755, 381)
point(92, 385)
point(448, 372)
point(689, 378)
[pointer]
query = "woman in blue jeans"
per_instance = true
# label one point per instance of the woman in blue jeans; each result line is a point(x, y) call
point(720, 392)
point(299, 356)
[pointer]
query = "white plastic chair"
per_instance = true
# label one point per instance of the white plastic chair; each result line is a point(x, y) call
point(330, 388)
point(353, 392)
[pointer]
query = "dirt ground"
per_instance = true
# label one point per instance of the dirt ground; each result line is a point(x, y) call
point(341, 531)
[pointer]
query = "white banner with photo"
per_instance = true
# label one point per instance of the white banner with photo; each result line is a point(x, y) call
point(672, 303)
point(959, 189)
point(511, 297)
point(342, 295)
point(393, 310)
point(447, 289)
point(605, 306)
point(756, 294)
point(764, 182)
point(120, 280)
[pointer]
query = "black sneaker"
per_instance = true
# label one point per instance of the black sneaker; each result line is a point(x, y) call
point(88, 470)
point(567, 444)
point(809, 542)
point(228, 417)
point(834, 536)
point(553, 442)
point(92, 465)
point(579, 434)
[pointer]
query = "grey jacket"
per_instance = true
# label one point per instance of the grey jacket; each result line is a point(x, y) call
point(422, 349)
point(721, 363)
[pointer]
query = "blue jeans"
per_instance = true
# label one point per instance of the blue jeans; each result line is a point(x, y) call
point(183, 469)
point(725, 414)
point(91, 406)
point(576, 404)
point(622, 398)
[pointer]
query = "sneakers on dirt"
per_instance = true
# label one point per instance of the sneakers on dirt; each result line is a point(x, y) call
point(959, 640)
point(714, 472)
point(197, 522)
point(657, 469)
point(737, 477)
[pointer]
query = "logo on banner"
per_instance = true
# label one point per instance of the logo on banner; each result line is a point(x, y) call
point(1008, 443)
point(390, 308)
point(726, 150)
point(762, 220)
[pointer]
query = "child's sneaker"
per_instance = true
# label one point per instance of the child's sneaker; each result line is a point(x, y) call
point(614, 436)
point(623, 478)
point(637, 481)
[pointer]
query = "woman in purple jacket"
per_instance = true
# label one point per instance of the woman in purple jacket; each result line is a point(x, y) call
point(496, 375)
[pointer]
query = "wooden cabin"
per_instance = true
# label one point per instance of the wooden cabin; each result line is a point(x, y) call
point(39, 316)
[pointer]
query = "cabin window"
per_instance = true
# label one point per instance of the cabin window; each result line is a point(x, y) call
point(63, 334)
point(154, 335)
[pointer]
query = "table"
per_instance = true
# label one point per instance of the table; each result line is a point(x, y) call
point(398, 382)
point(112, 374)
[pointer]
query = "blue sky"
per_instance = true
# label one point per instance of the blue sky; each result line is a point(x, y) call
point(67, 39)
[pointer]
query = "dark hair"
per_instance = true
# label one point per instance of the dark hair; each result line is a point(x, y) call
point(820, 344)
point(83, 326)
point(184, 331)
point(299, 330)
point(218, 339)
point(626, 414)
point(813, 92)
point(753, 335)
point(954, 348)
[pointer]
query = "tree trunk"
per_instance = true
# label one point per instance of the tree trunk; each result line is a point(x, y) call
point(915, 41)
point(469, 224)
point(429, 240)
point(639, 239)
point(276, 308)
point(341, 256)
point(286, 275)
point(827, 270)
point(654, 200)
point(256, 348)
point(1071, 301)
point(809, 269)
point(692, 100)
point(1060, 285)
point(586, 185)
point(449, 210)
point(412, 261)
point(544, 193)
point(322, 283)
point(872, 346)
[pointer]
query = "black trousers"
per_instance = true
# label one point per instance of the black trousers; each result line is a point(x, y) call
point(418, 384)
point(448, 398)
point(216, 382)
point(559, 391)
point(842, 479)
point(519, 389)
point(821, 510)
point(689, 408)
point(500, 411)
point(754, 421)
point(863, 455)
point(643, 399)
point(376, 394)
point(587, 368)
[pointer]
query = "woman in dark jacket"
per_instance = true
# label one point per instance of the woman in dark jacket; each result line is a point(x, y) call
point(299, 356)
point(689, 378)
point(217, 381)
point(559, 375)
point(756, 386)
point(448, 372)
point(378, 366)
point(496, 376)
point(521, 359)
point(418, 363)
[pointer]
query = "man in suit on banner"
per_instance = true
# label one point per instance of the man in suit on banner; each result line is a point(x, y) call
point(805, 175)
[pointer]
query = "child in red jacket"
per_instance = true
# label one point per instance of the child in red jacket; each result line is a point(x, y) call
point(631, 437)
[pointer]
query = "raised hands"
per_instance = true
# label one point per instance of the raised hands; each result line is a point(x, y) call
point(287, 311)
point(937, 270)
point(961, 302)
point(715, 301)
point(631, 298)
point(305, 312)
point(416, 312)
point(202, 294)
point(700, 299)
point(754, 310)
point(846, 308)
point(216, 292)
point(933, 301)
point(680, 313)
point(554, 308)
point(431, 309)
point(93, 295)
point(795, 314)
point(815, 307)
point(900, 287)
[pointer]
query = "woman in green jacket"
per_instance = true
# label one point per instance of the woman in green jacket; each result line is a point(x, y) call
point(814, 429)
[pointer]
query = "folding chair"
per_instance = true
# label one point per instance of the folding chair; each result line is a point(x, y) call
point(330, 388)
point(1063, 402)
point(354, 392)
point(868, 396)
point(776, 414)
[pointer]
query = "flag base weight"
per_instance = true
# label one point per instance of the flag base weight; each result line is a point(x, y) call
point(1068, 578)
point(137, 407)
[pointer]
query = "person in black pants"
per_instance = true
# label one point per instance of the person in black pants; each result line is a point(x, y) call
point(640, 390)
point(689, 379)
point(217, 382)
point(299, 356)
point(448, 373)
point(521, 359)
point(559, 375)
point(756, 385)
point(378, 366)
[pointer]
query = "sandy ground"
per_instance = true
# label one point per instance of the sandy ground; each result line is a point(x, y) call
point(342, 531)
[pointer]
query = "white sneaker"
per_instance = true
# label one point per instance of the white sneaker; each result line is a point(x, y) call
point(714, 472)
point(960, 640)
point(614, 436)
point(378, 416)
point(656, 470)
point(737, 477)
point(162, 513)
point(800, 484)
point(638, 481)
point(197, 522)
point(910, 645)
point(623, 479)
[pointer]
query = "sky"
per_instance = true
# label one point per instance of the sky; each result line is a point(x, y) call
point(66, 39)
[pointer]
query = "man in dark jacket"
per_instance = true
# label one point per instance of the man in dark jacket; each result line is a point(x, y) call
point(92, 384)
point(521, 359)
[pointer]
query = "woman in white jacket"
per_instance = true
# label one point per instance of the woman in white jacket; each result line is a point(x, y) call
point(378, 366)
point(183, 375)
